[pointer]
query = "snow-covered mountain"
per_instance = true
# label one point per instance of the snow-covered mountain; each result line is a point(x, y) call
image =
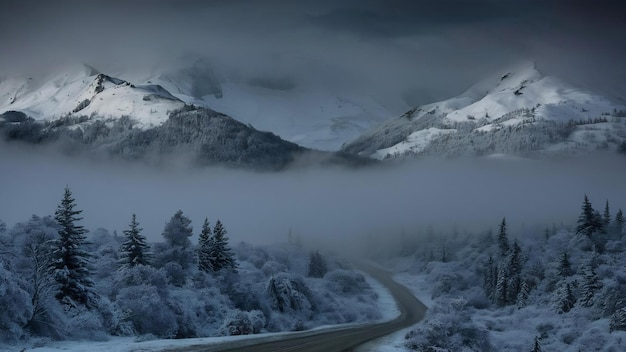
point(83, 91)
point(519, 111)
point(81, 109)
point(310, 114)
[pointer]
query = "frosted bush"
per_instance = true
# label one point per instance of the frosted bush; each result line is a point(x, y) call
point(243, 323)
point(147, 311)
point(346, 282)
point(16, 306)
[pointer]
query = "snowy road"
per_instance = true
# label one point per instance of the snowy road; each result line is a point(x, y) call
point(411, 311)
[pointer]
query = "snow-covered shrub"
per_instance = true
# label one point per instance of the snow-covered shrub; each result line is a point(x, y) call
point(147, 311)
point(85, 324)
point(175, 274)
point(449, 327)
point(272, 268)
point(139, 275)
point(288, 293)
point(243, 323)
point(345, 282)
point(16, 306)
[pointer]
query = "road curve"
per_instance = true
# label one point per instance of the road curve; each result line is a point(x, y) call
point(411, 311)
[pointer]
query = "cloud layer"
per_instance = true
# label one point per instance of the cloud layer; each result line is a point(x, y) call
point(423, 50)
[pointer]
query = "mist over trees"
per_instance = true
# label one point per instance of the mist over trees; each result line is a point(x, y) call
point(558, 289)
point(59, 283)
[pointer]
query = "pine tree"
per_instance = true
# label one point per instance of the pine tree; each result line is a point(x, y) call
point(566, 299)
point(488, 279)
point(70, 262)
point(618, 318)
point(502, 288)
point(565, 267)
point(178, 230)
point(515, 260)
point(222, 257)
point(619, 222)
point(537, 346)
point(503, 241)
point(606, 217)
point(317, 265)
point(205, 244)
point(522, 296)
point(591, 284)
point(589, 220)
point(134, 249)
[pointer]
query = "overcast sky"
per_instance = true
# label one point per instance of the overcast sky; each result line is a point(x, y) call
point(424, 49)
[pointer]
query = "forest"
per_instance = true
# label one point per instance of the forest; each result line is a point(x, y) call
point(60, 281)
point(562, 288)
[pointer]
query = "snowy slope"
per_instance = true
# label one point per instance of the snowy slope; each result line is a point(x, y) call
point(313, 115)
point(516, 97)
point(82, 90)
point(310, 114)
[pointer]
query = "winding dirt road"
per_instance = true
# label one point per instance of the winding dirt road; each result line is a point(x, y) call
point(336, 340)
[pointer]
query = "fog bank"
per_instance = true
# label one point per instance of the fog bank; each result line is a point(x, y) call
point(314, 202)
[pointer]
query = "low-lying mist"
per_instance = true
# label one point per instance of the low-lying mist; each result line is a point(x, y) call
point(317, 203)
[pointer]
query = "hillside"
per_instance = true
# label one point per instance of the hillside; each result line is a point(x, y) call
point(519, 112)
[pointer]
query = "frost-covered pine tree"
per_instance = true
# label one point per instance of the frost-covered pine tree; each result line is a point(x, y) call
point(591, 284)
point(134, 250)
point(536, 346)
point(515, 260)
point(178, 230)
point(177, 248)
point(618, 318)
point(222, 257)
point(565, 267)
point(489, 278)
point(317, 265)
point(565, 299)
point(205, 244)
point(503, 241)
point(501, 297)
point(619, 221)
point(606, 216)
point(589, 220)
point(522, 296)
point(70, 262)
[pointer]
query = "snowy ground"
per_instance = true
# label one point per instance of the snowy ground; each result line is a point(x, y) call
point(387, 305)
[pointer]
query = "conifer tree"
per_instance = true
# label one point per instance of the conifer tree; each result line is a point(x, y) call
point(565, 267)
point(222, 257)
point(589, 220)
point(178, 230)
point(515, 260)
point(537, 345)
point(618, 318)
point(591, 284)
point(606, 217)
point(522, 296)
point(502, 288)
point(134, 249)
point(566, 299)
point(619, 221)
point(70, 262)
point(503, 241)
point(488, 278)
point(177, 248)
point(205, 244)
point(317, 265)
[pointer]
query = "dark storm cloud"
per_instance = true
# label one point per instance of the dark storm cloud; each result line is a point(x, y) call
point(423, 50)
